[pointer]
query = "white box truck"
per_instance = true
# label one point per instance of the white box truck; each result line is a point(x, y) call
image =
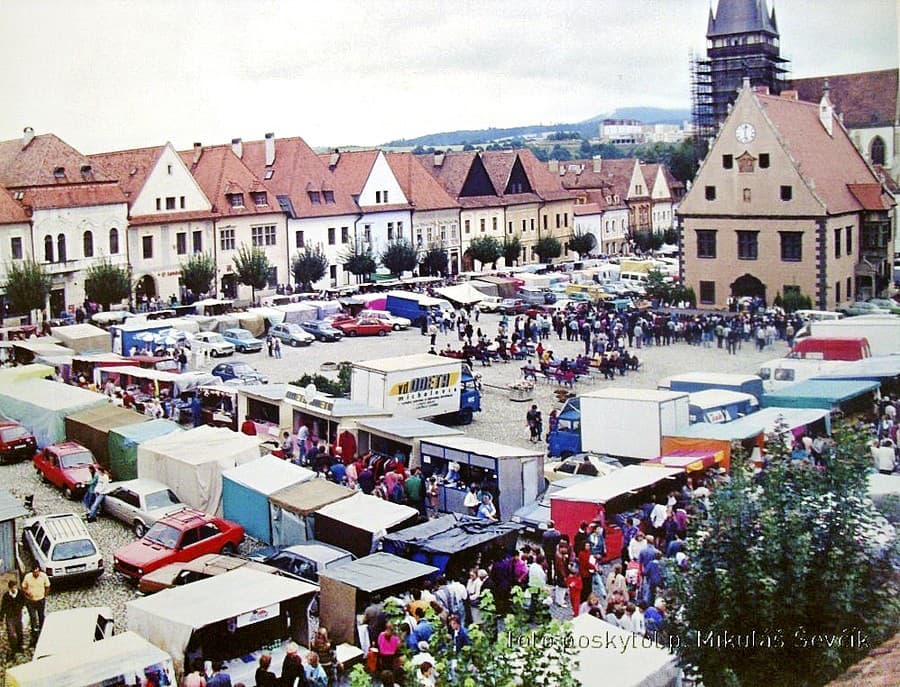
point(630, 423)
point(882, 331)
point(416, 386)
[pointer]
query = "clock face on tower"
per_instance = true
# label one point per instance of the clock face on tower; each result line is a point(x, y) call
point(745, 132)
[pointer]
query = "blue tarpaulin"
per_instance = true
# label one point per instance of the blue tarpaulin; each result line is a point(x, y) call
point(818, 393)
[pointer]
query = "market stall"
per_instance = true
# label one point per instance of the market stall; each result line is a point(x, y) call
point(45, 347)
point(264, 404)
point(83, 338)
point(192, 462)
point(515, 476)
point(298, 312)
point(91, 427)
point(134, 335)
point(42, 406)
point(11, 375)
point(461, 294)
point(399, 434)
point(347, 589)
point(358, 523)
point(720, 405)
point(292, 510)
point(246, 490)
point(847, 395)
point(326, 416)
point(124, 442)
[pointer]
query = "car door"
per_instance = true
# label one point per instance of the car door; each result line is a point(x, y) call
point(53, 470)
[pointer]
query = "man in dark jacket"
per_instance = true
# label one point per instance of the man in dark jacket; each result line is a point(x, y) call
point(292, 671)
point(11, 606)
point(549, 541)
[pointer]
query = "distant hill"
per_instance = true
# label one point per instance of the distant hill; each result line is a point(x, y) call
point(585, 129)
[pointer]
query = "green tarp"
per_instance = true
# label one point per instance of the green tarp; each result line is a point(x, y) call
point(123, 443)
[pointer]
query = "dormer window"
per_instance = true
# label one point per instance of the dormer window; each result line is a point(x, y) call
point(269, 174)
point(19, 195)
point(314, 197)
point(260, 198)
point(59, 172)
point(329, 197)
point(236, 199)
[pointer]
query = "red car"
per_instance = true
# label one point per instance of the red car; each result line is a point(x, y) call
point(16, 442)
point(364, 326)
point(66, 466)
point(177, 538)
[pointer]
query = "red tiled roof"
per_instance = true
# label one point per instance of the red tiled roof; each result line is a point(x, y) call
point(865, 99)
point(352, 168)
point(170, 217)
point(546, 184)
point(129, 167)
point(220, 171)
point(419, 187)
point(73, 195)
point(10, 211)
point(870, 196)
point(34, 164)
point(453, 170)
point(828, 164)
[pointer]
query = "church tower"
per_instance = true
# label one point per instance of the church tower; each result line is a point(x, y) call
point(741, 41)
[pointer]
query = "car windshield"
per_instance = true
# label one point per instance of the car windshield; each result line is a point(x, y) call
point(293, 328)
point(242, 369)
point(214, 338)
point(242, 334)
point(73, 460)
point(67, 550)
point(13, 433)
point(161, 499)
point(163, 534)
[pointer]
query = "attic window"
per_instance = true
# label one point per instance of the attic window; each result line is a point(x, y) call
point(19, 195)
point(260, 198)
point(269, 174)
point(727, 161)
point(763, 160)
point(59, 172)
point(169, 168)
point(314, 197)
point(236, 199)
point(329, 197)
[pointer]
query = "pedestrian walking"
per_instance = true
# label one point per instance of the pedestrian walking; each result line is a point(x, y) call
point(276, 348)
point(11, 606)
point(36, 587)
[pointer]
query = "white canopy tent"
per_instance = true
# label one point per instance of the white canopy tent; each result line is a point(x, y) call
point(356, 523)
point(464, 294)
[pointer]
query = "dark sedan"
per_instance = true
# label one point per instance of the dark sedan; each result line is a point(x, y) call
point(239, 371)
point(321, 330)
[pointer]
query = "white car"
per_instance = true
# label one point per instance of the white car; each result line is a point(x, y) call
point(213, 342)
point(396, 323)
point(489, 304)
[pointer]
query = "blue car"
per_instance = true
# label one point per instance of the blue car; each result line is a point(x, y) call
point(244, 341)
point(321, 330)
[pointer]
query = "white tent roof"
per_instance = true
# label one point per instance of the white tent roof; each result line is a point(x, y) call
point(603, 489)
point(715, 398)
point(484, 448)
point(461, 293)
point(367, 512)
point(268, 474)
point(168, 618)
point(635, 664)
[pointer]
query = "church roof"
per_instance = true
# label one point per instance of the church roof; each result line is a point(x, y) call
point(741, 16)
point(864, 99)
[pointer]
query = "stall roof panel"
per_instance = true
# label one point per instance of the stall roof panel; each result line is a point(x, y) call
point(268, 392)
point(106, 417)
point(452, 534)
point(330, 406)
point(879, 367)
point(378, 571)
point(10, 375)
point(723, 378)
point(406, 427)
point(765, 420)
point(307, 497)
point(485, 448)
point(367, 512)
point(268, 474)
point(10, 506)
point(818, 393)
point(202, 444)
point(625, 394)
point(618, 482)
point(50, 395)
point(402, 363)
point(461, 293)
point(714, 398)
point(142, 431)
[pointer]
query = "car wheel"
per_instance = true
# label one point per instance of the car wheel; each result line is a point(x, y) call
point(294, 343)
point(351, 333)
point(381, 332)
point(68, 493)
point(140, 529)
point(214, 353)
point(41, 476)
point(228, 549)
point(396, 327)
point(465, 416)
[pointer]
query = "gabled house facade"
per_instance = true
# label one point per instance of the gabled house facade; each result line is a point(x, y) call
point(170, 218)
point(599, 188)
point(15, 240)
point(785, 201)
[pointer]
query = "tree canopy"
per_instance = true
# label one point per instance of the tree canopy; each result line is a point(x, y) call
point(358, 260)
point(105, 283)
point(583, 243)
point(252, 267)
point(547, 248)
point(27, 286)
point(309, 265)
point(433, 263)
point(486, 250)
point(512, 250)
point(399, 256)
point(198, 272)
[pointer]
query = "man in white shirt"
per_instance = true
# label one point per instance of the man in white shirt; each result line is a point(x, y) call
point(658, 518)
point(100, 491)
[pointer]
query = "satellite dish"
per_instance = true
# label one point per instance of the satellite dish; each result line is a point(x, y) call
point(310, 392)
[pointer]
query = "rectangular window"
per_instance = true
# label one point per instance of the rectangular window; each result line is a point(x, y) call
point(170, 203)
point(787, 192)
point(331, 240)
point(764, 160)
point(727, 161)
point(298, 239)
point(837, 292)
point(510, 226)
point(260, 198)
point(181, 202)
point(15, 247)
point(329, 197)
point(706, 243)
point(377, 196)
point(147, 247)
point(710, 193)
point(849, 288)
point(400, 230)
point(468, 227)
point(226, 239)
point(532, 224)
point(708, 292)
point(159, 203)
point(345, 234)
point(791, 246)
point(849, 240)
point(197, 241)
point(169, 168)
point(367, 233)
point(558, 225)
point(390, 231)
point(332, 274)
point(482, 224)
point(384, 195)
point(236, 200)
point(747, 245)
point(746, 195)
point(837, 243)
point(494, 223)
point(181, 242)
point(565, 219)
point(314, 197)
point(263, 236)
point(443, 232)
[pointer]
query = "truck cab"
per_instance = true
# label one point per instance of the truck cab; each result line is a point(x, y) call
point(469, 396)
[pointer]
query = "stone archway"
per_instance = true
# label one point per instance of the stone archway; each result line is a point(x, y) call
point(145, 286)
point(748, 285)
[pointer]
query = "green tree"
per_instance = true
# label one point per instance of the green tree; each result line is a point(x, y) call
point(583, 242)
point(27, 286)
point(683, 163)
point(399, 256)
point(789, 564)
point(308, 266)
point(485, 249)
point(657, 287)
point(252, 267)
point(325, 385)
point(198, 272)
point(793, 300)
point(359, 261)
point(547, 248)
point(560, 153)
point(433, 262)
point(512, 250)
point(105, 283)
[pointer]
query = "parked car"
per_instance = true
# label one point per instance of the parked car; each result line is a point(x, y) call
point(244, 341)
point(489, 304)
point(535, 310)
point(333, 320)
point(322, 330)
point(66, 466)
point(560, 469)
point(62, 547)
point(864, 308)
point(177, 574)
point(303, 561)
point(888, 304)
point(213, 342)
point(535, 516)
point(291, 334)
point(395, 321)
point(240, 371)
point(16, 442)
point(181, 536)
point(139, 503)
point(364, 326)
point(512, 306)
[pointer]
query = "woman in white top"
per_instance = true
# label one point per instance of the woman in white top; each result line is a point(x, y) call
point(473, 596)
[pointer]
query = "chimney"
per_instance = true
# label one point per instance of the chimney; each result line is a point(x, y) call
point(790, 95)
point(237, 147)
point(438, 158)
point(270, 149)
point(826, 109)
point(198, 151)
point(745, 83)
point(27, 136)
point(553, 165)
point(762, 90)
point(598, 163)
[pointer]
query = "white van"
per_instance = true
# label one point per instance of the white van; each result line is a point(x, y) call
point(635, 281)
point(819, 315)
point(780, 372)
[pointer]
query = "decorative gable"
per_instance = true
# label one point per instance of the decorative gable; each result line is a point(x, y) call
point(518, 179)
point(169, 186)
point(478, 182)
point(637, 187)
point(381, 186)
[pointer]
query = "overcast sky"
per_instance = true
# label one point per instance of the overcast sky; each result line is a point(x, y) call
point(108, 75)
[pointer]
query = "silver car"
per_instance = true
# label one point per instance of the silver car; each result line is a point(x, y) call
point(291, 334)
point(139, 503)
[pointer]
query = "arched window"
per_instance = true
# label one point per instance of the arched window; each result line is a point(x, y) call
point(48, 248)
point(88, 241)
point(876, 151)
point(61, 248)
point(113, 241)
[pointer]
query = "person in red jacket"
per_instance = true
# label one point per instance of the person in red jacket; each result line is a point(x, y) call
point(586, 571)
